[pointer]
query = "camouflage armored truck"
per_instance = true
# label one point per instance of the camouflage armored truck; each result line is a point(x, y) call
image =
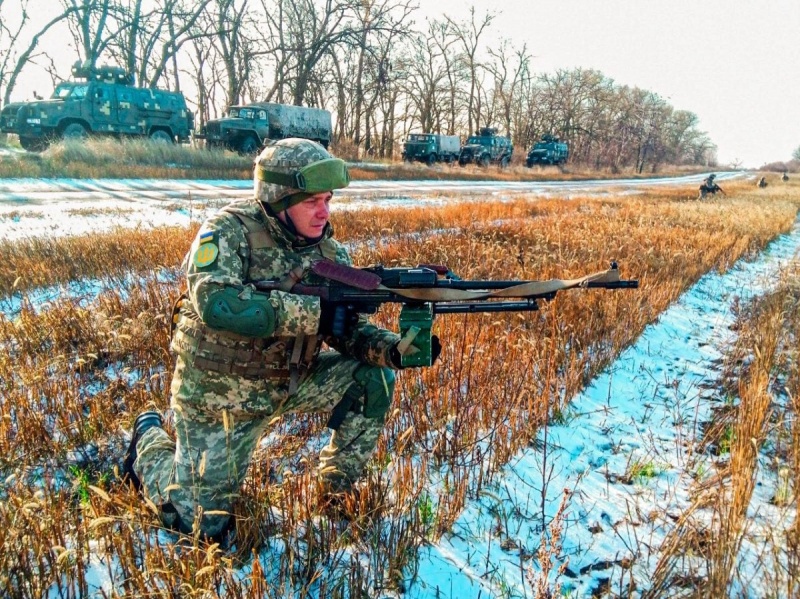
point(431, 148)
point(105, 103)
point(486, 147)
point(247, 128)
point(548, 151)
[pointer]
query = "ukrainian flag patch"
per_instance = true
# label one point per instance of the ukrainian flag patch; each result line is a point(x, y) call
point(206, 237)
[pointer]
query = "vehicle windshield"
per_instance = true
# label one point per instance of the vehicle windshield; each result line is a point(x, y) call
point(242, 113)
point(478, 140)
point(417, 137)
point(74, 90)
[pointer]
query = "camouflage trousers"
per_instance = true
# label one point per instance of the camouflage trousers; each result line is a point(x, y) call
point(219, 420)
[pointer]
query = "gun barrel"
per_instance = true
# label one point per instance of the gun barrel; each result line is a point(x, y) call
point(528, 305)
point(614, 285)
point(492, 285)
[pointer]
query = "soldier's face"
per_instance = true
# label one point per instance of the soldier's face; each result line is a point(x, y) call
point(311, 215)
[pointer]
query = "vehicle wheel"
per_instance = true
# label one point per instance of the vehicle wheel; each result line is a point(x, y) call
point(504, 162)
point(33, 144)
point(431, 159)
point(75, 131)
point(249, 145)
point(528, 163)
point(161, 136)
point(483, 161)
point(462, 162)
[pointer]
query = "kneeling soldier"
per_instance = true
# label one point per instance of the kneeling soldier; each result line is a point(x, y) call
point(245, 357)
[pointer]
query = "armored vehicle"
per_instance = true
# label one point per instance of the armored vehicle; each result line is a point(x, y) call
point(105, 103)
point(247, 128)
point(486, 147)
point(548, 151)
point(431, 148)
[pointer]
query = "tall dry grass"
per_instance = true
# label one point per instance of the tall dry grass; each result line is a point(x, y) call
point(757, 430)
point(101, 158)
point(75, 372)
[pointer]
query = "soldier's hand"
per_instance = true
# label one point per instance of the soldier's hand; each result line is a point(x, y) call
point(436, 350)
point(336, 320)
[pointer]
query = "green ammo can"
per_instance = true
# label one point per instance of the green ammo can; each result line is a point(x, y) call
point(415, 328)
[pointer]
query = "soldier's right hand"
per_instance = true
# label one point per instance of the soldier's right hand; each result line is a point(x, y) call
point(336, 320)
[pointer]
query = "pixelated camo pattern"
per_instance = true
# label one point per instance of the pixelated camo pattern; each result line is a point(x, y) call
point(288, 155)
point(237, 265)
point(220, 418)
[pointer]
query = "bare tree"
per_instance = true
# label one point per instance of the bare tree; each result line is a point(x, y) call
point(469, 35)
point(13, 61)
point(378, 26)
point(233, 46)
point(92, 26)
point(510, 69)
point(308, 31)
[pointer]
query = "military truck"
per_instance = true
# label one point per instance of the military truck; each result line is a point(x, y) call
point(431, 148)
point(106, 102)
point(550, 150)
point(486, 147)
point(247, 128)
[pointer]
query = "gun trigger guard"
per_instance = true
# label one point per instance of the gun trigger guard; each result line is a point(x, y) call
point(404, 345)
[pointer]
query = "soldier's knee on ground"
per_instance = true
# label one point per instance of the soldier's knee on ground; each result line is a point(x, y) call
point(378, 386)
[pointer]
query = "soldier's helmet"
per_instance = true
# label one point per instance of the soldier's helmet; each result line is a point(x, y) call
point(711, 177)
point(287, 171)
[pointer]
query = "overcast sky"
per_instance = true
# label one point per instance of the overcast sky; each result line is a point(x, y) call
point(734, 63)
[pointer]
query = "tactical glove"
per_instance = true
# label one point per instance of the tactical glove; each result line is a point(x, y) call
point(336, 320)
point(436, 349)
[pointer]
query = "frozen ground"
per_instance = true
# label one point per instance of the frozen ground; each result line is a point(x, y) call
point(643, 408)
point(35, 207)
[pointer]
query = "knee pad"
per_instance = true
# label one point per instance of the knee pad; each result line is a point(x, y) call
point(378, 386)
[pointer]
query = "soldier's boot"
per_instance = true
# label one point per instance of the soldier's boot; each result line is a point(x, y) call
point(337, 503)
point(143, 423)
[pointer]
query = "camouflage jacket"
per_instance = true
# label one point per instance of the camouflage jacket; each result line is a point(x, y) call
point(271, 254)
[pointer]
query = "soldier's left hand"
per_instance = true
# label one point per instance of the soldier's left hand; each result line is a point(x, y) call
point(436, 350)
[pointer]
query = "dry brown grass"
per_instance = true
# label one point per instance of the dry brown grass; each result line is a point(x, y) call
point(100, 158)
point(762, 379)
point(74, 373)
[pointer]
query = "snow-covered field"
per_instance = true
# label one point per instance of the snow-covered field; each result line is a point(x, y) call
point(35, 207)
point(645, 407)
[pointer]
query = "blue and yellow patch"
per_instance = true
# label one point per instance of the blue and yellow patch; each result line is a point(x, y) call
point(207, 250)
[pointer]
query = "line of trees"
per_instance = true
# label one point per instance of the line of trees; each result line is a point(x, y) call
point(380, 73)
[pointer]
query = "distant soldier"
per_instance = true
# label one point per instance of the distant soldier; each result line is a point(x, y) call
point(785, 177)
point(709, 186)
point(762, 182)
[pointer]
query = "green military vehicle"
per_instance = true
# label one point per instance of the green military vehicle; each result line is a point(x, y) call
point(106, 102)
point(431, 148)
point(485, 148)
point(247, 128)
point(550, 150)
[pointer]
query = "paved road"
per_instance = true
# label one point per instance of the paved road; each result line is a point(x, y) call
point(46, 191)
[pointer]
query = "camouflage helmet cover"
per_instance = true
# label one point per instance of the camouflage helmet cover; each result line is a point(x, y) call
point(285, 156)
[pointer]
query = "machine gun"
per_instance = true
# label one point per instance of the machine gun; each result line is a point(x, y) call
point(428, 290)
